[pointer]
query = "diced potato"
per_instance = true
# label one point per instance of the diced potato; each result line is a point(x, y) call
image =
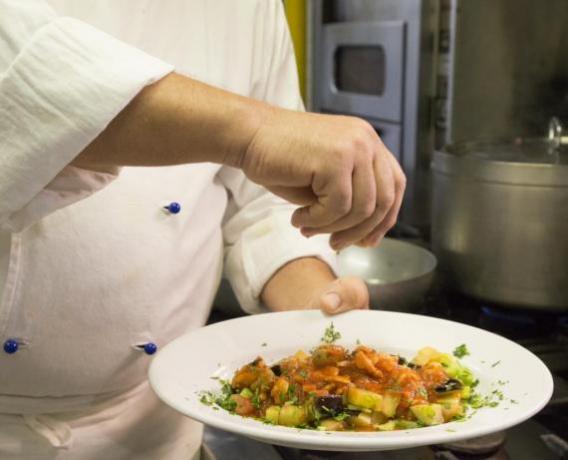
point(279, 391)
point(364, 398)
point(390, 403)
point(361, 421)
point(301, 356)
point(451, 409)
point(378, 418)
point(389, 426)
point(428, 414)
point(425, 355)
point(273, 414)
point(406, 424)
point(452, 366)
point(331, 425)
point(466, 392)
point(291, 415)
point(357, 408)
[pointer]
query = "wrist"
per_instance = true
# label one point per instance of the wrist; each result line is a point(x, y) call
point(297, 285)
point(247, 117)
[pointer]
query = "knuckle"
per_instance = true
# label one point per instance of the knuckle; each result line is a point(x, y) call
point(366, 210)
point(387, 200)
point(342, 204)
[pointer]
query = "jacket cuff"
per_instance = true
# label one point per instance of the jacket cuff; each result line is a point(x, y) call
point(265, 247)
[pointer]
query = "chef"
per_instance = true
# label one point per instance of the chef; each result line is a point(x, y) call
point(138, 139)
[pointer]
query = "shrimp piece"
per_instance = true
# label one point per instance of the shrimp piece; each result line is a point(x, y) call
point(363, 362)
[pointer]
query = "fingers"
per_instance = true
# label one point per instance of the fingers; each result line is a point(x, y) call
point(345, 294)
point(363, 203)
point(334, 191)
point(386, 197)
point(377, 234)
point(302, 196)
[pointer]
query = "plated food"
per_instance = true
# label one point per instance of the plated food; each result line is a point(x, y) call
point(332, 388)
point(513, 385)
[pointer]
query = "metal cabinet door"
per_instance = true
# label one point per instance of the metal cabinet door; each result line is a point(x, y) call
point(384, 41)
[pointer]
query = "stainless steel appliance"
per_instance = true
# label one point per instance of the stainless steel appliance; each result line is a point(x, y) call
point(500, 220)
point(426, 73)
point(375, 59)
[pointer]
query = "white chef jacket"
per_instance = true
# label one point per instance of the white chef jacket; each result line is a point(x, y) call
point(92, 266)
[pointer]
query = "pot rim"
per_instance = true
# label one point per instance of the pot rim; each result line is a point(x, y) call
point(452, 160)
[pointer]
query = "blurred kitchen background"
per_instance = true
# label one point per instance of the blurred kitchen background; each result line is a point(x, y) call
point(471, 96)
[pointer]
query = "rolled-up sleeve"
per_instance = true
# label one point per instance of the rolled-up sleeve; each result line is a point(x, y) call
point(259, 238)
point(61, 83)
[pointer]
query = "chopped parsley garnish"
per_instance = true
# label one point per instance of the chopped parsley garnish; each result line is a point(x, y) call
point(341, 416)
point(222, 399)
point(292, 396)
point(492, 400)
point(303, 373)
point(263, 344)
point(331, 335)
point(255, 400)
point(496, 363)
point(461, 351)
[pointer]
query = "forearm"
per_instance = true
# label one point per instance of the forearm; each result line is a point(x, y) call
point(174, 121)
point(297, 285)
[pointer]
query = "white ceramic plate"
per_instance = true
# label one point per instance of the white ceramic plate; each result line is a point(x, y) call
point(183, 368)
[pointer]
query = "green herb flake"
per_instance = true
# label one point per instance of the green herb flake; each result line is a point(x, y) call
point(222, 399)
point(342, 416)
point(514, 401)
point(255, 400)
point(422, 392)
point(449, 430)
point(461, 351)
point(263, 344)
point(496, 363)
point(207, 398)
point(331, 335)
point(292, 397)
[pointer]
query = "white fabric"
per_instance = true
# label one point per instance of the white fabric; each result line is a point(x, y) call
point(133, 426)
point(91, 275)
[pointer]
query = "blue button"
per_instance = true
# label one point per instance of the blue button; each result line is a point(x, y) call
point(173, 207)
point(150, 348)
point(11, 346)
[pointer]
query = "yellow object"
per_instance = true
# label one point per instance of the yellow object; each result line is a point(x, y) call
point(296, 14)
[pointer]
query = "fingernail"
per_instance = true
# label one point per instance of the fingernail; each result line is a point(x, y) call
point(306, 233)
point(336, 244)
point(332, 300)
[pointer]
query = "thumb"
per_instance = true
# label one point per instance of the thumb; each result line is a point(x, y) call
point(344, 294)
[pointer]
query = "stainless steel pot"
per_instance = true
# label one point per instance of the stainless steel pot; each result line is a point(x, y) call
point(500, 220)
